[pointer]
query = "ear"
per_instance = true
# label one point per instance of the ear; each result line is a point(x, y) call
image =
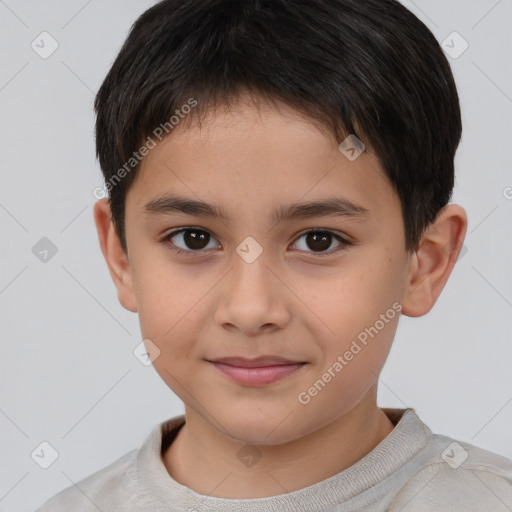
point(433, 261)
point(117, 260)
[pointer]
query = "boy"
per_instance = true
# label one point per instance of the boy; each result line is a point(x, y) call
point(234, 137)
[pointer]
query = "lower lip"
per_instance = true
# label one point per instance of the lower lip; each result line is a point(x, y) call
point(257, 376)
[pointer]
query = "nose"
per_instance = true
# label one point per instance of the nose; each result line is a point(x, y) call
point(251, 299)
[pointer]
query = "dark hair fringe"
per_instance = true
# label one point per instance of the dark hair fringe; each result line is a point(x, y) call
point(367, 67)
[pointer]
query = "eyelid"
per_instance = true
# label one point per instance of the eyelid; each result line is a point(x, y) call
point(166, 240)
point(339, 234)
point(342, 239)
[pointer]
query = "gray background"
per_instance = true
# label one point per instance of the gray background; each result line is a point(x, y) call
point(68, 374)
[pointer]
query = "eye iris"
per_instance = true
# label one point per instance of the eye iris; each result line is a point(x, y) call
point(196, 239)
point(321, 239)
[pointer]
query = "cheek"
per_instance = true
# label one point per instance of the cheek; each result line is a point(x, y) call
point(377, 280)
point(351, 364)
point(167, 303)
point(360, 306)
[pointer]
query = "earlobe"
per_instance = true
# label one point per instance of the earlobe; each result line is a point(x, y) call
point(432, 263)
point(115, 257)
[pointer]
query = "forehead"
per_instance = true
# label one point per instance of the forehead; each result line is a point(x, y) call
point(251, 154)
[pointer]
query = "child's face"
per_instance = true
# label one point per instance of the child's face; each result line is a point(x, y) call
point(303, 299)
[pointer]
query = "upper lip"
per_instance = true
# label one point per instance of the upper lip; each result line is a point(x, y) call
point(255, 362)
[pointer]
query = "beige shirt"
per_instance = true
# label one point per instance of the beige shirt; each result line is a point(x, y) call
point(411, 470)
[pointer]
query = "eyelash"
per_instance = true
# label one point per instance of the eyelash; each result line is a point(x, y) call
point(344, 243)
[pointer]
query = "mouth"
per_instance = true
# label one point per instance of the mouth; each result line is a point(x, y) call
point(257, 372)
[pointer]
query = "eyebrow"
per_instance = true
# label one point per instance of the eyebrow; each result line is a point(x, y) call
point(334, 206)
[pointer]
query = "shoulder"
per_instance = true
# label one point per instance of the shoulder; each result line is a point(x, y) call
point(102, 490)
point(454, 475)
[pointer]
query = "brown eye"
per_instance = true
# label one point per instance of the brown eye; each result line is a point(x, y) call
point(196, 239)
point(319, 241)
point(190, 239)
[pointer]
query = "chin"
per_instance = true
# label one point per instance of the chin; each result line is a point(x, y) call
point(256, 428)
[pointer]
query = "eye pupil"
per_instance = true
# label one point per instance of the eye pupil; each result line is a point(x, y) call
point(196, 239)
point(320, 238)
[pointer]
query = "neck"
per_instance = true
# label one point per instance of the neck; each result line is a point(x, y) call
point(201, 457)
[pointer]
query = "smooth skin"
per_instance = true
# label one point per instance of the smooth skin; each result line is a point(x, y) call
point(296, 300)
